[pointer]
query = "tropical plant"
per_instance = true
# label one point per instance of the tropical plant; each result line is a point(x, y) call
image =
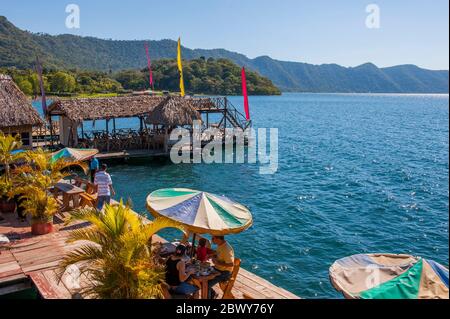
point(34, 180)
point(9, 144)
point(5, 187)
point(118, 258)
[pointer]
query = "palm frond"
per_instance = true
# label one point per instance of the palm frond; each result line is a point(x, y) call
point(117, 257)
point(159, 224)
point(86, 253)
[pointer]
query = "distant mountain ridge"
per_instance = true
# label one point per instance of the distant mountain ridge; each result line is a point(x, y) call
point(18, 48)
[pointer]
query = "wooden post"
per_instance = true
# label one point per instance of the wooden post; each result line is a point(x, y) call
point(166, 144)
point(207, 119)
point(141, 124)
point(51, 129)
point(107, 135)
point(225, 117)
point(114, 125)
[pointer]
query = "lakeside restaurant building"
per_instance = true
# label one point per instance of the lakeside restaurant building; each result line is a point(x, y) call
point(156, 115)
point(17, 115)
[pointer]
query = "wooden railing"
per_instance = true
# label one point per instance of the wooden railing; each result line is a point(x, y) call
point(236, 118)
point(42, 136)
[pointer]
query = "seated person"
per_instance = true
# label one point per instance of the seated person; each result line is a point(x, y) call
point(203, 252)
point(223, 262)
point(176, 274)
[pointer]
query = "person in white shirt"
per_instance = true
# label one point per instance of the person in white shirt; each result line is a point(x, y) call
point(104, 187)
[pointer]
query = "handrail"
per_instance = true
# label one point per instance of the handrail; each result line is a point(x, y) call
point(235, 116)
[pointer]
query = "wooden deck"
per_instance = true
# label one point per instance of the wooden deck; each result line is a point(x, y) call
point(29, 260)
point(131, 154)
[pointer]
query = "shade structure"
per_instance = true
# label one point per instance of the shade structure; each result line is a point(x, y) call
point(388, 276)
point(74, 154)
point(174, 111)
point(200, 212)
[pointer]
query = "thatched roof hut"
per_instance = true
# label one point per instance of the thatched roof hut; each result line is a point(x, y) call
point(90, 109)
point(160, 110)
point(175, 111)
point(15, 108)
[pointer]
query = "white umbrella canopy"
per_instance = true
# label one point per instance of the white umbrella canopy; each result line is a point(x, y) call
point(200, 212)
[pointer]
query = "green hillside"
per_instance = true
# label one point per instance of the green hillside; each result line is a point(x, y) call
point(18, 49)
point(201, 76)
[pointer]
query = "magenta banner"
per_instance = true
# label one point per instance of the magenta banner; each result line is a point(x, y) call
point(245, 94)
point(149, 62)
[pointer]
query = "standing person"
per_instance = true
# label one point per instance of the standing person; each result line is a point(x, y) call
point(104, 187)
point(94, 167)
point(223, 262)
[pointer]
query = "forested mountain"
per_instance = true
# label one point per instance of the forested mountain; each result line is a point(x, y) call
point(18, 49)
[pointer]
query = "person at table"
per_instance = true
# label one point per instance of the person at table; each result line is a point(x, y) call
point(203, 252)
point(223, 261)
point(177, 275)
point(104, 186)
point(94, 167)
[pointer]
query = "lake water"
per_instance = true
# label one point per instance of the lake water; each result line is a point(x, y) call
point(357, 174)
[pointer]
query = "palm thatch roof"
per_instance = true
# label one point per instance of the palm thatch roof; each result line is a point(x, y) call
point(174, 111)
point(15, 107)
point(90, 109)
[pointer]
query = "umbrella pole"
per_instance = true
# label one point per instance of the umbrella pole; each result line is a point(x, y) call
point(193, 245)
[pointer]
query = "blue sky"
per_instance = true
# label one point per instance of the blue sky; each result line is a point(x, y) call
point(321, 31)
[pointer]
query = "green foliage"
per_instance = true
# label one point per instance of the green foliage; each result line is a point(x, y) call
point(132, 80)
point(8, 144)
point(116, 253)
point(62, 82)
point(96, 83)
point(33, 180)
point(68, 82)
point(25, 85)
point(214, 77)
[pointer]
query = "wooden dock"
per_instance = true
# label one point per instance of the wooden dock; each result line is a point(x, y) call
point(131, 154)
point(29, 261)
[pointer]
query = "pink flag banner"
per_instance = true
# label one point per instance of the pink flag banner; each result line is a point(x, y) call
point(41, 83)
point(149, 63)
point(245, 94)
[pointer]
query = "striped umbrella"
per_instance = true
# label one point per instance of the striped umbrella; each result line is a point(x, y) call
point(200, 212)
point(77, 154)
point(388, 276)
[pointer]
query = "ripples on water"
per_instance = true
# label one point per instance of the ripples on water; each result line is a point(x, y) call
point(357, 174)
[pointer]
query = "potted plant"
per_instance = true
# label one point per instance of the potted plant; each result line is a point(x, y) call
point(41, 206)
point(8, 155)
point(33, 183)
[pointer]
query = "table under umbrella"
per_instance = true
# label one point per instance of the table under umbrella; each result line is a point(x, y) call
point(77, 154)
point(389, 276)
point(200, 212)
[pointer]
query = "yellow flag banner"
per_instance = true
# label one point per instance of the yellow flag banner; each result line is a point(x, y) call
point(180, 68)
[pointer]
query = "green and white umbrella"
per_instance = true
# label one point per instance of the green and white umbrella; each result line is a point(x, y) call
point(74, 154)
point(200, 212)
point(389, 276)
